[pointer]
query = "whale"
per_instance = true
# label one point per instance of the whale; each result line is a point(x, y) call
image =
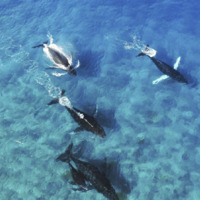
point(91, 174)
point(162, 66)
point(59, 59)
point(85, 121)
point(78, 178)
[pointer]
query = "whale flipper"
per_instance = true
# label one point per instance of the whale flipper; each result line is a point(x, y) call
point(176, 64)
point(77, 65)
point(161, 78)
point(40, 45)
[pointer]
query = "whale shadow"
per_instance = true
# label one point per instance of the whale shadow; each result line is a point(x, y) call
point(111, 170)
point(106, 117)
point(108, 168)
point(90, 63)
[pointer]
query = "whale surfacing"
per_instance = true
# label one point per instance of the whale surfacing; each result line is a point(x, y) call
point(58, 57)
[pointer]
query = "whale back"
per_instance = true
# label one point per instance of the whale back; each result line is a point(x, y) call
point(86, 121)
point(168, 70)
point(58, 57)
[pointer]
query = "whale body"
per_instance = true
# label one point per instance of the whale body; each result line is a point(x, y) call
point(91, 174)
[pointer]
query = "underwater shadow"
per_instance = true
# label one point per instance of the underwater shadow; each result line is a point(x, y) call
point(90, 63)
point(106, 117)
point(111, 169)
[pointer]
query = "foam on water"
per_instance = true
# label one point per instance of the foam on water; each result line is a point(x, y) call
point(136, 44)
point(64, 101)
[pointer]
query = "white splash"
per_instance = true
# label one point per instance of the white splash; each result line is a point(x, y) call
point(136, 44)
point(149, 51)
point(58, 74)
point(50, 37)
point(42, 78)
point(19, 55)
point(64, 101)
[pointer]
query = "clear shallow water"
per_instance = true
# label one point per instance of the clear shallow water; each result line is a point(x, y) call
point(152, 143)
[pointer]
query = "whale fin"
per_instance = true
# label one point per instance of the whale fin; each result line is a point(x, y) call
point(40, 45)
point(176, 64)
point(161, 78)
point(65, 157)
point(54, 101)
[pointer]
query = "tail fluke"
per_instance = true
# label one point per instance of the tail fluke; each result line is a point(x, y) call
point(65, 157)
point(54, 101)
point(40, 45)
point(141, 54)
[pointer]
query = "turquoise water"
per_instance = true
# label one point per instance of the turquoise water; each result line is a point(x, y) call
point(151, 149)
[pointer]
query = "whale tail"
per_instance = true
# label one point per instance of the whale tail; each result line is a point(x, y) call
point(65, 157)
point(141, 54)
point(40, 45)
point(55, 101)
point(147, 51)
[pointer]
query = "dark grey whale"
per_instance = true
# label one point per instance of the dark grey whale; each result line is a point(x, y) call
point(91, 174)
point(85, 121)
